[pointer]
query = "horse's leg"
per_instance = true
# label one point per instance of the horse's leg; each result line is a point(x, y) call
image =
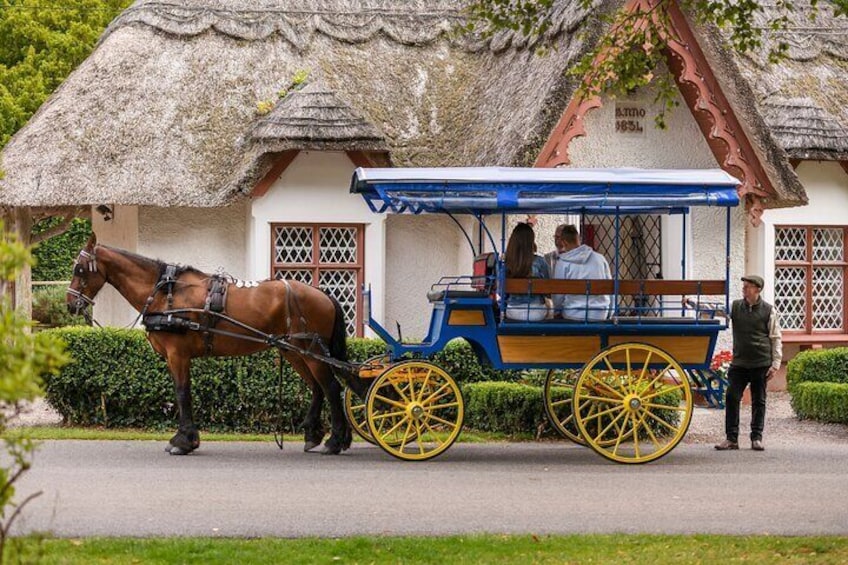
point(313, 429)
point(341, 435)
point(187, 439)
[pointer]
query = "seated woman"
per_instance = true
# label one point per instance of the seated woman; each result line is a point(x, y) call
point(522, 263)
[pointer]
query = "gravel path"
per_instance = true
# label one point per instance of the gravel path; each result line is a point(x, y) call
point(782, 426)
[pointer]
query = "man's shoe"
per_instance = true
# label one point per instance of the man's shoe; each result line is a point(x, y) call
point(757, 445)
point(726, 445)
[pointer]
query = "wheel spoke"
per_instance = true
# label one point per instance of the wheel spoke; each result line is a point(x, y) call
point(430, 398)
point(405, 435)
point(645, 366)
point(597, 415)
point(635, 435)
point(603, 384)
point(441, 420)
point(653, 437)
point(663, 391)
point(399, 390)
point(384, 415)
point(394, 428)
point(424, 384)
point(430, 410)
point(610, 425)
point(663, 422)
point(604, 399)
point(389, 401)
point(659, 376)
point(665, 407)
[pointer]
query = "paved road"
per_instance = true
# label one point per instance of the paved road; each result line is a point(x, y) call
point(253, 489)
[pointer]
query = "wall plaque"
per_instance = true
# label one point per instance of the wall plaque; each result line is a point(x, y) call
point(630, 119)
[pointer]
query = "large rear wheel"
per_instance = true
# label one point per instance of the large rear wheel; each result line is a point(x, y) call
point(632, 403)
point(414, 410)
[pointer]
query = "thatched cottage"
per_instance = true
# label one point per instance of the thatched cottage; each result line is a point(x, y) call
point(191, 124)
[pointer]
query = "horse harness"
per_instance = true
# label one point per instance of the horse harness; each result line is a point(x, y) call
point(213, 310)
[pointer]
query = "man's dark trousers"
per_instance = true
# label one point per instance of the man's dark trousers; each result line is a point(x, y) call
point(739, 378)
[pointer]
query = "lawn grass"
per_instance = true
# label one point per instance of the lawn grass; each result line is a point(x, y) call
point(61, 432)
point(488, 549)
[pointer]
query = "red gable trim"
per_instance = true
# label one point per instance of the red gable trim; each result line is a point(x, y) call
point(359, 158)
point(709, 106)
point(844, 166)
point(283, 161)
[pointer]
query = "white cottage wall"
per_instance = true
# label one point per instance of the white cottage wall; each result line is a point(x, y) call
point(419, 251)
point(315, 189)
point(209, 239)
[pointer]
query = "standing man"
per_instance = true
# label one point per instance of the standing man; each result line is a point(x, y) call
point(578, 261)
point(757, 352)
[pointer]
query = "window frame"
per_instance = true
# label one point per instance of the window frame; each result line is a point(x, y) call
point(809, 265)
point(315, 266)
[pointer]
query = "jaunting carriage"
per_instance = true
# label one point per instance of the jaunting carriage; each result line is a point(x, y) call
point(618, 384)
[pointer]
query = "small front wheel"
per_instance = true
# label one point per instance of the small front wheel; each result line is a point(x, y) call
point(558, 394)
point(414, 410)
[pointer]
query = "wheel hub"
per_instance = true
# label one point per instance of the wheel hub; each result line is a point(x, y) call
point(632, 402)
point(415, 410)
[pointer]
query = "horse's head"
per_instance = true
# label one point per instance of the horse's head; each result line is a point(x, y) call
point(87, 280)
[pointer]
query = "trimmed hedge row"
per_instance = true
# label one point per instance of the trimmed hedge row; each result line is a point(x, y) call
point(818, 384)
point(825, 402)
point(116, 380)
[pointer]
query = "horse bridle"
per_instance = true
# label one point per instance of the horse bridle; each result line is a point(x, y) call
point(82, 302)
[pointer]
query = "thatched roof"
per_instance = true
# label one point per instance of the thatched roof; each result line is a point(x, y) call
point(166, 111)
point(804, 98)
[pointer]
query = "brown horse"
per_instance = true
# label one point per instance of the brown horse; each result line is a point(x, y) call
point(302, 315)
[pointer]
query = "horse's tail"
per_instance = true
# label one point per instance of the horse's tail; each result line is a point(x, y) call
point(338, 350)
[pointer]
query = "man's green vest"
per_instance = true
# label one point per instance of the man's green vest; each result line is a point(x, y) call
point(751, 343)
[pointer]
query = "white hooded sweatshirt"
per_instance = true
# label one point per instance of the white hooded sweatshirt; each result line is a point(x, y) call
point(582, 263)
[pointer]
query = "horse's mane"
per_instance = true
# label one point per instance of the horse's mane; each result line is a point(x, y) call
point(156, 264)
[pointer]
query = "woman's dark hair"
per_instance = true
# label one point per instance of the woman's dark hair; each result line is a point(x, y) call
point(519, 251)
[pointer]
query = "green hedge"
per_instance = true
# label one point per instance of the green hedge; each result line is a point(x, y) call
point(825, 402)
point(55, 257)
point(504, 407)
point(116, 380)
point(818, 384)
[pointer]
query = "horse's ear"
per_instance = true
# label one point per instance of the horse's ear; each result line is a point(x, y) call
point(92, 241)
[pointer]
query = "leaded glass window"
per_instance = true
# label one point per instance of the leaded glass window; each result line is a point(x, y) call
point(810, 274)
point(328, 256)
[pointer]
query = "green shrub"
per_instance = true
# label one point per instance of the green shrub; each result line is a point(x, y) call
point(503, 407)
point(55, 257)
point(826, 402)
point(824, 365)
point(460, 362)
point(50, 309)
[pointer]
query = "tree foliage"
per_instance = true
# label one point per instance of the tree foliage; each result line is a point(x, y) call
point(629, 53)
point(41, 42)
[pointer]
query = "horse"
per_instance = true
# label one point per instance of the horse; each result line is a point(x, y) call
point(306, 319)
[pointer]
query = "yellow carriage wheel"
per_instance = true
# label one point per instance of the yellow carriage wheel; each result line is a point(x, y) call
point(558, 394)
point(414, 410)
point(632, 403)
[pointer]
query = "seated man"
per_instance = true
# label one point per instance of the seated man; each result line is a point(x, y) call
point(578, 261)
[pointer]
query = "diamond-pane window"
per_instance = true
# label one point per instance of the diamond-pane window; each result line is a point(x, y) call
point(827, 298)
point(329, 256)
point(828, 244)
point(342, 284)
point(790, 291)
point(293, 244)
point(640, 252)
point(338, 245)
point(810, 275)
point(790, 244)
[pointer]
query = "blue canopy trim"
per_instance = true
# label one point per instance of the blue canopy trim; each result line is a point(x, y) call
point(488, 190)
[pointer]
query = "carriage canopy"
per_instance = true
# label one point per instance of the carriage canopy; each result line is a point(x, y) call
point(485, 190)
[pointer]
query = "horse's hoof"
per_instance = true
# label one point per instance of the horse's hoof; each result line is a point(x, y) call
point(330, 450)
point(178, 450)
point(168, 448)
point(310, 445)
